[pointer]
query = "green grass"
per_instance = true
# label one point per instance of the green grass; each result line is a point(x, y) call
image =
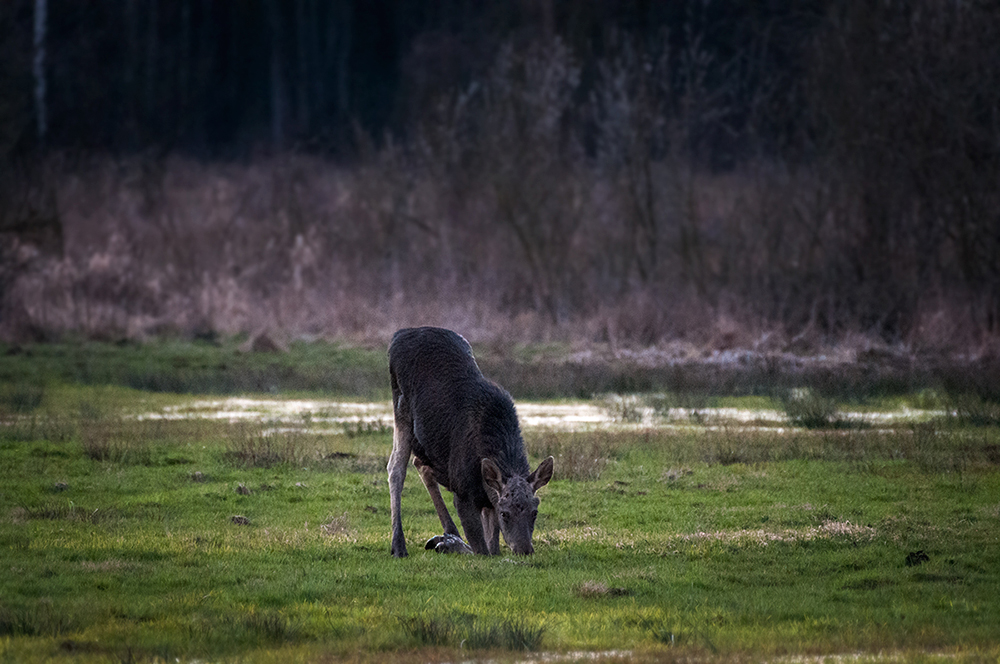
point(528, 371)
point(119, 538)
point(199, 367)
point(711, 543)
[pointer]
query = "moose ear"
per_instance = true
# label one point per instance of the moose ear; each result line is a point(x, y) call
point(542, 474)
point(492, 480)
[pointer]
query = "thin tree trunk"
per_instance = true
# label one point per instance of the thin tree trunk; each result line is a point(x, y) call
point(41, 21)
point(132, 62)
point(548, 18)
point(302, 42)
point(152, 57)
point(343, 58)
point(184, 69)
point(277, 78)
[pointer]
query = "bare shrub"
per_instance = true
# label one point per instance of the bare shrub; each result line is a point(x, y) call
point(807, 408)
point(669, 405)
point(530, 160)
point(655, 192)
point(974, 410)
point(911, 129)
point(626, 408)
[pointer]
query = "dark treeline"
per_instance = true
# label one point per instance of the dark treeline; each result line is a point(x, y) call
point(218, 77)
point(627, 170)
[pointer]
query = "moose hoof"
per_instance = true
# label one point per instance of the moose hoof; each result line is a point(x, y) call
point(448, 544)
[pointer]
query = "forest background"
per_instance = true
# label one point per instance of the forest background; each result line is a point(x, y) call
point(776, 175)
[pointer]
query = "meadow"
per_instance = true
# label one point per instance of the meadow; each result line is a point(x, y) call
point(144, 518)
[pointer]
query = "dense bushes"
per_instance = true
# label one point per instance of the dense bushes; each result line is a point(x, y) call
point(550, 199)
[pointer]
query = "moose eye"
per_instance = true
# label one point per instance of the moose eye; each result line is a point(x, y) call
point(505, 515)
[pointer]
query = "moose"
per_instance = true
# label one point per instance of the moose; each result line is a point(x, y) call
point(463, 433)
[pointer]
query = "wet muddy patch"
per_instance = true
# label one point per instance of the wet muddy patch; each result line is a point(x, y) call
point(621, 413)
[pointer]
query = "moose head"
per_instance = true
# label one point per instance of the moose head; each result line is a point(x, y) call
point(515, 505)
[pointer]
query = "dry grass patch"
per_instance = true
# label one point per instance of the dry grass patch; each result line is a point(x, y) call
point(579, 455)
point(600, 589)
point(338, 528)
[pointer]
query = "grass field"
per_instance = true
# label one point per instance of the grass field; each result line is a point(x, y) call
point(136, 526)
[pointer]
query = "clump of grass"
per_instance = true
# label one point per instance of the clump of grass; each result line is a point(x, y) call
point(806, 408)
point(337, 526)
point(363, 427)
point(68, 511)
point(366, 463)
point(732, 446)
point(249, 624)
point(627, 408)
point(38, 620)
point(589, 589)
point(667, 405)
point(429, 631)
point(33, 427)
point(473, 633)
point(270, 626)
point(114, 440)
point(506, 634)
point(255, 445)
point(674, 475)
point(21, 398)
point(973, 410)
point(579, 456)
point(927, 399)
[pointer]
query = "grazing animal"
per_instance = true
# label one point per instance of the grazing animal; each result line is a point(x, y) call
point(463, 433)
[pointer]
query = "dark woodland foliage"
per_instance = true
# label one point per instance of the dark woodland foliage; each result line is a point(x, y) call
point(630, 170)
point(224, 78)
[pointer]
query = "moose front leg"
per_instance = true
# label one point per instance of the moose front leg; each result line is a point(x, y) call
point(451, 541)
point(491, 530)
point(472, 525)
point(427, 475)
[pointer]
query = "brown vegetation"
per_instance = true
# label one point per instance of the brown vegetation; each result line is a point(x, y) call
point(541, 204)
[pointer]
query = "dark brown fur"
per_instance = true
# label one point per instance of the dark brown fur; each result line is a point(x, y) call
point(463, 433)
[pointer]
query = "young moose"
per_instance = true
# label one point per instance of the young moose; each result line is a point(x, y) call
point(463, 433)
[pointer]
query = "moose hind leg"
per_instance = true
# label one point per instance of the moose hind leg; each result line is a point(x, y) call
point(402, 441)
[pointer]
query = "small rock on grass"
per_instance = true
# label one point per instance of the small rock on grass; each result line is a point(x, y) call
point(447, 544)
